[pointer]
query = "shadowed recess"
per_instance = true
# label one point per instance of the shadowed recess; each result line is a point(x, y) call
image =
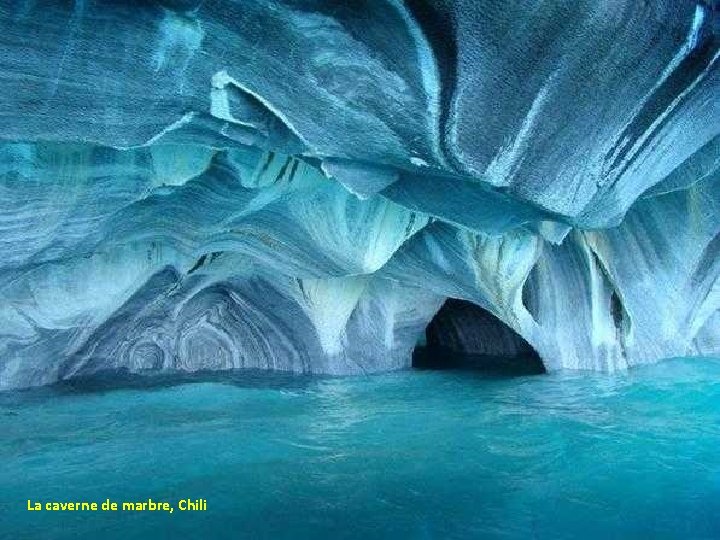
point(465, 336)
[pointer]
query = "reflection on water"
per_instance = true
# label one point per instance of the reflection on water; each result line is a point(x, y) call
point(405, 455)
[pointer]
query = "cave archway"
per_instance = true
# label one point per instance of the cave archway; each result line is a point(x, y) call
point(465, 336)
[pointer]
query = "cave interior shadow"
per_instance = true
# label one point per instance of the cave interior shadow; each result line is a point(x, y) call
point(464, 336)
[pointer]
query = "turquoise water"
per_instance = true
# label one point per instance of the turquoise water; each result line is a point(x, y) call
point(405, 455)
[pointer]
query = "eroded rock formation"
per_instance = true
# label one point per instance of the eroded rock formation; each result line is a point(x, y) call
point(301, 184)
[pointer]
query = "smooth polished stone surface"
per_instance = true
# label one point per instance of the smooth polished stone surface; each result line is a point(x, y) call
point(300, 185)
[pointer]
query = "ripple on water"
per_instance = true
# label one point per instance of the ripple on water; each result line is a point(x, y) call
point(404, 455)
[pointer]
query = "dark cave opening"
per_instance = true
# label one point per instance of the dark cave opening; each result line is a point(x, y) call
point(465, 336)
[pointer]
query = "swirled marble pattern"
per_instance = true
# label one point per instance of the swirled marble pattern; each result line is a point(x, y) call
point(299, 185)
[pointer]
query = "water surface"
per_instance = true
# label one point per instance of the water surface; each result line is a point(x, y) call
point(418, 454)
